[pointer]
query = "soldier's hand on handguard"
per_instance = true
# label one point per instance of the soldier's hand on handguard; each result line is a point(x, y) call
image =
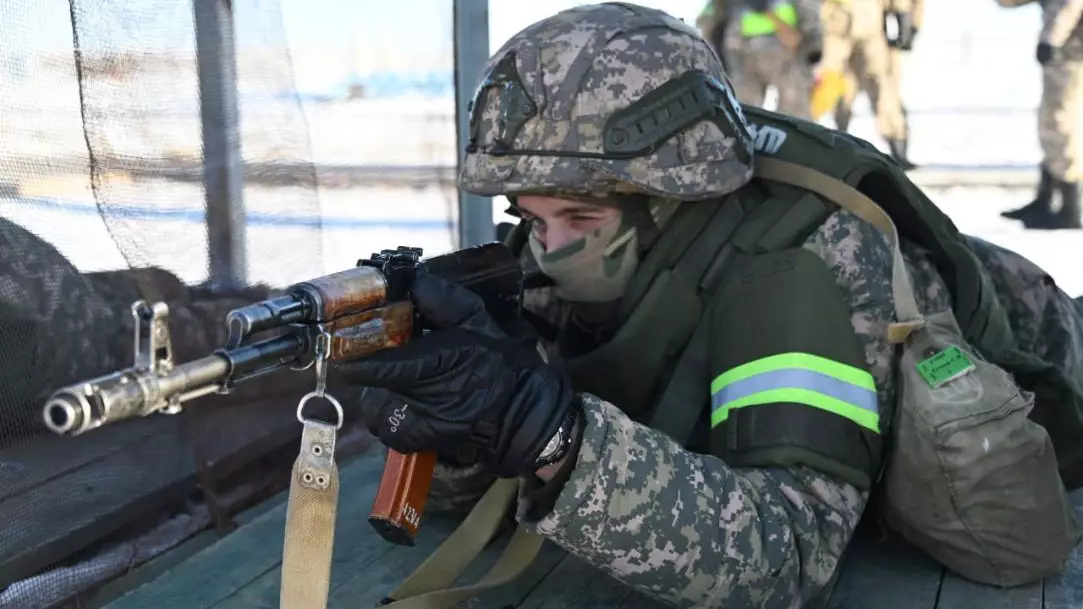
point(465, 389)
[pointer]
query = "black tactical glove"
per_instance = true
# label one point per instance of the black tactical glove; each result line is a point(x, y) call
point(1047, 53)
point(906, 32)
point(465, 390)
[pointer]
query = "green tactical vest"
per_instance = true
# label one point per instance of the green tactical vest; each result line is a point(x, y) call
point(664, 309)
point(660, 367)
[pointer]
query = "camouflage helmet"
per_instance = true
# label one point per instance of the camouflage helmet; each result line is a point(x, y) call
point(602, 99)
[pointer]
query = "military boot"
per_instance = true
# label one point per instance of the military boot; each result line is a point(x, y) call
point(898, 152)
point(1067, 216)
point(1042, 203)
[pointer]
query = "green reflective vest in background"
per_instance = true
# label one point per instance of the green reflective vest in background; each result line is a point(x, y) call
point(755, 23)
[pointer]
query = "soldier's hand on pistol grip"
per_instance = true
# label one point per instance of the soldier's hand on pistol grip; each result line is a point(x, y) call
point(465, 389)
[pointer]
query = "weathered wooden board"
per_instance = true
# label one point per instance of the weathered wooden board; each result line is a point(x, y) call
point(1065, 591)
point(226, 568)
point(118, 478)
point(242, 570)
point(875, 566)
point(959, 593)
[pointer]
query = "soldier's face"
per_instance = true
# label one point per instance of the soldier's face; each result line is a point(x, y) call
point(560, 222)
point(588, 249)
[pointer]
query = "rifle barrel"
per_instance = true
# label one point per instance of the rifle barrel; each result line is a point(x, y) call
point(135, 392)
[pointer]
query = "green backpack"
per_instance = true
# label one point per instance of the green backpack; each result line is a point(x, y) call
point(986, 437)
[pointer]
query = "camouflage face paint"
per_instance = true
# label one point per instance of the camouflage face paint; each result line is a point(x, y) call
point(594, 268)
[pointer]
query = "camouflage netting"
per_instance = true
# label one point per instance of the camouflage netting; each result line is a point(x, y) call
point(101, 204)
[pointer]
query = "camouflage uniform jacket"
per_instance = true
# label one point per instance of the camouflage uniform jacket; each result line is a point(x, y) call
point(689, 530)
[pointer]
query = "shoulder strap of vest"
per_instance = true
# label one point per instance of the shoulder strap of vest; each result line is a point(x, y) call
point(429, 586)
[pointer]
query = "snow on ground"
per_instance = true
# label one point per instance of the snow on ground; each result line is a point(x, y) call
point(976, 211)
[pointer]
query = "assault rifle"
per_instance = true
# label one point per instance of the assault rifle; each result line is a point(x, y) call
point(338, 317)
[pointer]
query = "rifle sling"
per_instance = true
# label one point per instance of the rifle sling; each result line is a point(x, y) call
point(310, 520)
point(427, 587)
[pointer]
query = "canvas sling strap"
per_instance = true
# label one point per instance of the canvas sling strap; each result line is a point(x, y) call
point(313, 502)
point(313, 494)
point(310, 528)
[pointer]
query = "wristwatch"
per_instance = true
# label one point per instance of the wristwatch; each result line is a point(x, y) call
point(560, 442)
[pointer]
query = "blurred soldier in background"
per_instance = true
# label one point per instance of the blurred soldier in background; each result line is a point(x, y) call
point(773, 42)
point(901, 42)
point(855, 42)
point(1060, 52)
point(712, 24)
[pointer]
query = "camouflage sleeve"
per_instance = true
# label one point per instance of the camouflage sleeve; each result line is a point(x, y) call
point(861, 258)
point(1059, 19)
point(808, 22)
point(692, 532)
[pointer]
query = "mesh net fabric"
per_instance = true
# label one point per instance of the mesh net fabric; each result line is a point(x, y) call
point(102, 203)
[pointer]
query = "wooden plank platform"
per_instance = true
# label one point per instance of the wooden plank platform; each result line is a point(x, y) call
point(59, 495)
point(242, 570)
